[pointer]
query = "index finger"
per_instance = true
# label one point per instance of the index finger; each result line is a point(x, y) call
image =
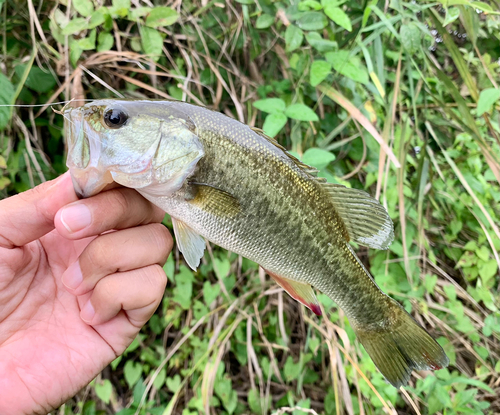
point(114, 209)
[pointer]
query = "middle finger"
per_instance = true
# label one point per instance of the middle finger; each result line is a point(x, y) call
point(118, 251)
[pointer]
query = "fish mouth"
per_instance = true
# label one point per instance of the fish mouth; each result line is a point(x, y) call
point(90, 181)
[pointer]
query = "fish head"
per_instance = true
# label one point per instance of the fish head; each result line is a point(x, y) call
point(147, 145)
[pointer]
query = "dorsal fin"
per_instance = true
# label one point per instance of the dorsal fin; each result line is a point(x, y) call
point(365, 219)
point(304, 167)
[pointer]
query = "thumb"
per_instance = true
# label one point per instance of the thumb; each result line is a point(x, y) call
point(30, 215)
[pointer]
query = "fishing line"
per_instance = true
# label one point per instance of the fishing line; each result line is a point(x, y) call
point(42, 105)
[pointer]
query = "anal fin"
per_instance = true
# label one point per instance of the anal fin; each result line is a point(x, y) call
point(299, 291)
point(190, 243)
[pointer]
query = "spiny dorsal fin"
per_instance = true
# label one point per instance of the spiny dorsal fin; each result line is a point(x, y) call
point(308, 169)
point(190, 243)
point(214, 200)
point(366, 220)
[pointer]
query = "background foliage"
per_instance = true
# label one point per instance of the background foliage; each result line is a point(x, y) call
point(398, 98)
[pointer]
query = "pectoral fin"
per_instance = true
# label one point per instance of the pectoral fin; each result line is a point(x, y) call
point(191, 244)
point(299, 291)
point(215, 201)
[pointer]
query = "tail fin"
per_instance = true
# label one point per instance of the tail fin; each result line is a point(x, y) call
point(400, 345)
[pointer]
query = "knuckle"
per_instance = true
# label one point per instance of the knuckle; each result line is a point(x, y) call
point(118, 200)
point(95, 253)
point(156, 279)
point(161, 240)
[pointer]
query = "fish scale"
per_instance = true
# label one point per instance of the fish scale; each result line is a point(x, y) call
point(224, 181)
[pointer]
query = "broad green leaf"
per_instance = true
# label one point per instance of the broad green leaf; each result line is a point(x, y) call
point(6, 97)
point(96, 19)
point(487, 99)
point(347, 65)
point(274, 123)
point(339, 17)
point(105, 41)
point(452, 14)
point(245, 1)
point(264, 21)
point(291, 370)
point(4, 182)
point(319, 71)
point(318, 158)
point(132, 372)
point(307, 5)
point(162, 16)
point(84, 7)
point(104, 390)
point(210, 292)
point(221, 267)
point(38, 80)
point(320, 44)
point(270, 105)
point(301, 112)
point(139, 12)
point(173, 384)
point(120, 8)
point(312, 21)
point(75, 25)
point(160, 379)
point(152, 42)
point(3, 163)
point(293, 37)
point(410, 37)
point(88, 43)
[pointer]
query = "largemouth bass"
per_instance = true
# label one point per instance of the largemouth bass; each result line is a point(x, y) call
point(231, 184)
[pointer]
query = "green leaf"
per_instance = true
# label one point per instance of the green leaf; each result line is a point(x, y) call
point(105, 41)
point(75, 26)
point(293, 38)
point(96, 19)
point(6, 97)
point(210, 292)
point(320, 44)
point(173, 384)
point(317, 157)
point(38, 80)
point(312, 21)
point(301, 112)
point(410, 37)
point(88, 43)
point(132, 372)
point(160, 379)
point(270, 105)
point(347, 65)
point(162, 16)
point(84, 7)
point(339, 17)
point(487, 270)
point(452, 14)
point(307, 5)
point(264, 21)
point(319, 71)
point(274, 123)
point(291, 370)
point(221, 267)
point(4, 182)
point(487, 99)
point(104, 390)
point(152, 42)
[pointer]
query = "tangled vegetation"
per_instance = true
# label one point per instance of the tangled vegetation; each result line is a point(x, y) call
point(398, 98)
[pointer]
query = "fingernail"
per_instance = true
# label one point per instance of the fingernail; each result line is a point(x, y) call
point(57, 181)
point(87, 314)
point(73, 277)
point(76, 217)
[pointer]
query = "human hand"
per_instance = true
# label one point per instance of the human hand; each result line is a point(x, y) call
point(72, 299)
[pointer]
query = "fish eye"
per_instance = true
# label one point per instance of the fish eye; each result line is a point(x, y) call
point(115, 118)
